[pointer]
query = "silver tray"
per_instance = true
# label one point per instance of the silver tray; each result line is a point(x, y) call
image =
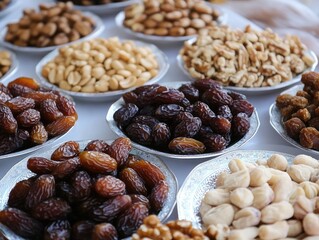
point(99, 27)
point(110, 95)
point(254, 125)
point(277, 123)
point(13, 68)
point(246, 90)
point(9, 8)
point(19, 172)
point(203, 178)
point(119, 20)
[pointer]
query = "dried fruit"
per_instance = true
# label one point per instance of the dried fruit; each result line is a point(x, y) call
point(97, 162)
point(124, 115)
point(214, 142)
point(82, 184)
point(104, 231)
point(4, 97)
point(169, 96)
point(190, 92)
point(19, 90)
point(82, 230)
point(158, 196)
point(60, 126)
point(66, 168)
point(66, 106)
point(20, 104)
point(204, 84)
point(133, 182)
point(188, 128)
point(49, 110)
point(97, 145)
point(109, 186)
point(19, 192)
point(140, 198)
point(220, 125)
point(216, 98)
point(7, 121)
point(85, 208)
point(203, 111)
point(145, 120)
point(293, 127)
point(60, 229)
point(240, 125)
point(120, 149)
point(41, 165)
point(28, 118)
point(26, 82)
point(309, 138)
point(168, 112)
point(130, 97)
point(65, 191)
point(10, 143)
point(67, 150)
point(38, 134)
point(51, 209)
point(243, 106)
point(225, 112)
point(161, 134)
point(39, 97)
point(139, 133)
point(183, 145)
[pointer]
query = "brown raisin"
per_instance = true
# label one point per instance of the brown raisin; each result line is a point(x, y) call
point(82, 184)
point(183, 145)
point(240, 125)
point(139, 133)
point(41, 165)
point(146, 120)
point(161, 134)
point(214, 142)
point(188, 128)
point(25, 81)
point(66, 168)
point(168, 112)
point(42, 189)
point(38, 134)
point(65, 151)
point(243, 106)
point(21, 223)
point(60, 229)
point(120, 149)
point(51, 209)
point(293, 127)
point(190, 92)
point(159, 196)
point(111, 208)
point(203, 111)
point(109, 186)
point(97, 145)
point(7, 121)
point(28, 118)
point(66, 106)
point(104, 231)
point(125, 114)
point(20, 104)
point(19, 192)
point(309, 138)
point(82, 230)
point(220, 125)
point(133, 182)
point(60, 126)
point(97, 162)
point(49, 110)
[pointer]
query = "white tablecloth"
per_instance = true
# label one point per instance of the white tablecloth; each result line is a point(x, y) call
point(92, 125)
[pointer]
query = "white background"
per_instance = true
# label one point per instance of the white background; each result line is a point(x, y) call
point(92, 124)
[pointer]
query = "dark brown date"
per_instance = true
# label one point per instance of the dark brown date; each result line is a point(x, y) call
point(120, 149)
point(65, 191)
point(12, 142)
point(216, 98)
point(158, 196)
point(38, 134)
point(66, 106)
point(20, 104)
point(146, 120)
point(60, 229)
point(82, 230)
point(4, 97)
point(85, 208)
point(225, 112)
point(161, 134)
point(7, 121)
point(130, 97)
point(168, 112)
point(240, 125)
point(214, 142)
point(97, 145)
point(26, 82)
point(109, 186)
point(41, 165)
point(183, 145)
point(188, 128)
point(51, 209)
point(19, 90)
point(139, 133)
point(66, 168)
point(82, 184)
point(39, 97)
point(134, 184)
point(190, 92)
point(49, 111)
point(293, 127)
point(104, 231)
point(97, 162)
point(203, 111)
point(141, 199)
point(309, 138)
point(220, 125)
point(170, 96)
point(204, 84)
point(125, 114)
point(60, 126)
point(19, 193)
point(28, 118)
point(65, 151)
point(242, 106)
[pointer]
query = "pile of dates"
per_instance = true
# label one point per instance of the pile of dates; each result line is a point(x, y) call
point(195, 118)
point(102, 192)
point(300, 112)
point(30, 114)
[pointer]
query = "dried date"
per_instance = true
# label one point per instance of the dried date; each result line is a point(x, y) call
point(158, 196)
point(60, 229)
point(169, 96)
point(190, 92)
point(82, 230)
point(26, 82)
point(66, 168)
point(141, 199)
point(19, 193)
point(104, 231)
point(65, 151)
point(188, 128)
point(293, 127)
point(51, 209)
point(97, 145)
point(20, 104)
point(49, 111)
point(66, 106)
point(216, 98)
point(109, 186)
point(139, 133)
point(225, 112)
point(7, 121)
point(38, 134)
point(220, 125)
point(168, 111)
point(203, 111)
point(13, 142)
point(309, 138)
point(214, 142)
point(183, 145)
point(161, 134)
point(134, 184)
point(41, 165)
point(82, 183)
point(204, 84)
point(242, 106)
point(146, 120)
point(60, 126)
point(240, 125)
point(28, 118)
point(125, 114)
point(120, 149)
point(97, 162)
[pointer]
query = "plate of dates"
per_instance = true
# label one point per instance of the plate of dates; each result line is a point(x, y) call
point(32, 117)
point(85, 189)
point(184, 120)
point(204, 177)
point(294, 115)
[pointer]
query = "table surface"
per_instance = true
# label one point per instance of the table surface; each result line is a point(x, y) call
point(92, 125)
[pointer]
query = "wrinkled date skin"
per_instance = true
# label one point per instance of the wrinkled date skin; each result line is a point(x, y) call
point(67, 150)
point(109, 186)
point(60, 229)
point(140, 133)
point(120, 149)
point(188, 128)
point(104, 231)
point(183, 145)
point(7, 121)
point(133, 182)
point(158, 196)
point(82, 230)
point(125, 114)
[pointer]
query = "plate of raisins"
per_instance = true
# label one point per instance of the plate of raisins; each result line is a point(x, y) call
point(32, 117)
point(85, 189)
point(184, 120)
point(294, 115)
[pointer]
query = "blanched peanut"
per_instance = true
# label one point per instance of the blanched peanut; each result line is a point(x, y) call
point(243, 234)
point(306, 160)
point(219, 231)
point(311, 224)
point(221, 179)
point(263, 195)
point(204, 207)
point(300, 173)
point(258, 176)
point(311, 189)
point(247, 217)
point(241, 197)
point(274, 231)
point(217, 196)
point(302, 207)
point(314, 175)
point(222, 214)
point(236, 165)
point(278, 161)
point(295, 228)
point(276, 212)
point(296, 193)
point(282, 190)
point(237, 179)
point(277, 175)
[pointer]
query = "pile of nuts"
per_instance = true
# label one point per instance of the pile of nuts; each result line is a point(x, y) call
point(269, 200)
point(300, 113)
point(246, 58)
point(91, 2)
point(153, 229)
point(195, 118)
point(101, 192)
point(30, 115)
point(101, 65)
point(169, 17)
point(5, 62)
point(53, 25)
point(4, 4)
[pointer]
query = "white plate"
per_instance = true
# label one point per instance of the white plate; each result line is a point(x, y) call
point(277, 123)
point(119, 19)
point(106, 8)
point(254, 125)
point(245, 90)
point(110, 95)
point(13, 67)
point(99, 27)
point(9, 8)
point(203, 178)
point(20, 171)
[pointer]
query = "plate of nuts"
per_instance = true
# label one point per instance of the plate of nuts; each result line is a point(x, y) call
point(6, 6)
point(85, 189)
point(101, 6)
point(251, 194)
point(51, 26)
point(32, 117)
point(8, 64)
point(102, 69)
point(247, 61)
point(294, 115)
point(184, 121)
point(171, 21)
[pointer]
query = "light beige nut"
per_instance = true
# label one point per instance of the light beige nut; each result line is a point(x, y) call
point(237, 179)
point(216, 197)
point(259, 176)
point(243, 234)
point(300, 173)
point(246, 217)
point(310, 224)
point(277, 230)
point(241, 197)
point(306, 160)
point(295, 228)
point(263, 196)
point(302, 207)
point(236, 165)
point(311, 189)
point(222, 214)
point(218, 231)
point(276, 212)
point(282, 190)
point(278, 161)
point(197, 23)
point(298, 191)
point(204, 207)
point(277, 175)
